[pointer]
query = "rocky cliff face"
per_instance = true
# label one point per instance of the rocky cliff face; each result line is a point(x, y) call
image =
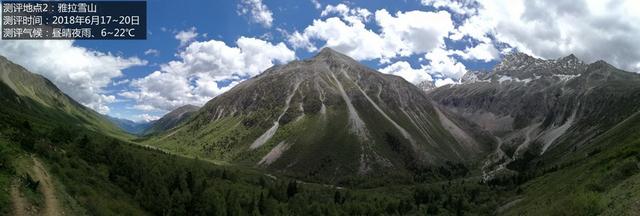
point(327, 116)
point(426, 85)
point(538, 109)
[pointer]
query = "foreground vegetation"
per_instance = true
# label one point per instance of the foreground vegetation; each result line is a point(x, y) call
point(106, 176)
point(100, 175)
point(601, 178)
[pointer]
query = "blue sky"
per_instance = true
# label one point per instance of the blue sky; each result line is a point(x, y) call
point(219, 20)
point(198, 49)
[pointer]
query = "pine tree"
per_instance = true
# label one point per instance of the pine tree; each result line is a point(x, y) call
point(292, 189)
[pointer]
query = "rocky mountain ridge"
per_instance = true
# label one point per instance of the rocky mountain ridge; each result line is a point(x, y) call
point(325, 117)
point(537, 109)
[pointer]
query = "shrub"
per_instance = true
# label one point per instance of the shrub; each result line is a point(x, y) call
point(584, 203)
point(30, 183)
point(627, 169)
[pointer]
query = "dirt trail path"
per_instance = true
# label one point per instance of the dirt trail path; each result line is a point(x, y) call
point(51, 203)
point(19, 203)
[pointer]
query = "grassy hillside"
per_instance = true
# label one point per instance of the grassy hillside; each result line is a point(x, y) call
point(105, 176)
point(30, 97)
point(601, 178)
point(171, 119)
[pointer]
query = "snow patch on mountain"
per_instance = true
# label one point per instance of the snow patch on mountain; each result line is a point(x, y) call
point(511, 79)
point(566, 77)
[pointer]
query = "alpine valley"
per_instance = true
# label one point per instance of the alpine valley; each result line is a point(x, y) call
point(327, 118)
point(330, 136)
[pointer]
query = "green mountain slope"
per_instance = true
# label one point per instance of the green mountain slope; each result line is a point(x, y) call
point(324, 118)
point(172, 119)
point(601, 178)
point(30, 97)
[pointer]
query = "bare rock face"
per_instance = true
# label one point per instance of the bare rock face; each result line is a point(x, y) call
point(426, 85)
point(538, 110)
point(523, 66)
point(326, 117)
point(471, 77)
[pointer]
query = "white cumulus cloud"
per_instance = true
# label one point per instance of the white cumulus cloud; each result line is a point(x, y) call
point(145, 118)
point(483, 51)
point(79, 72)
point(186, 36)
point(258, 11)
point(443, 82)
point(438, 65)
point(153, 52)
point(415, 32)
point(441, 62)
point(400, 34)
point(352, 39)
point(592, 30)
point(316, 4)
point(404, 70)
point(457, 6)
point(195, 78)
point(349, 14)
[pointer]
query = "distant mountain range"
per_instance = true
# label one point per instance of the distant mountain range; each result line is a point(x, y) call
point(132, 127)
point(167, 122)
